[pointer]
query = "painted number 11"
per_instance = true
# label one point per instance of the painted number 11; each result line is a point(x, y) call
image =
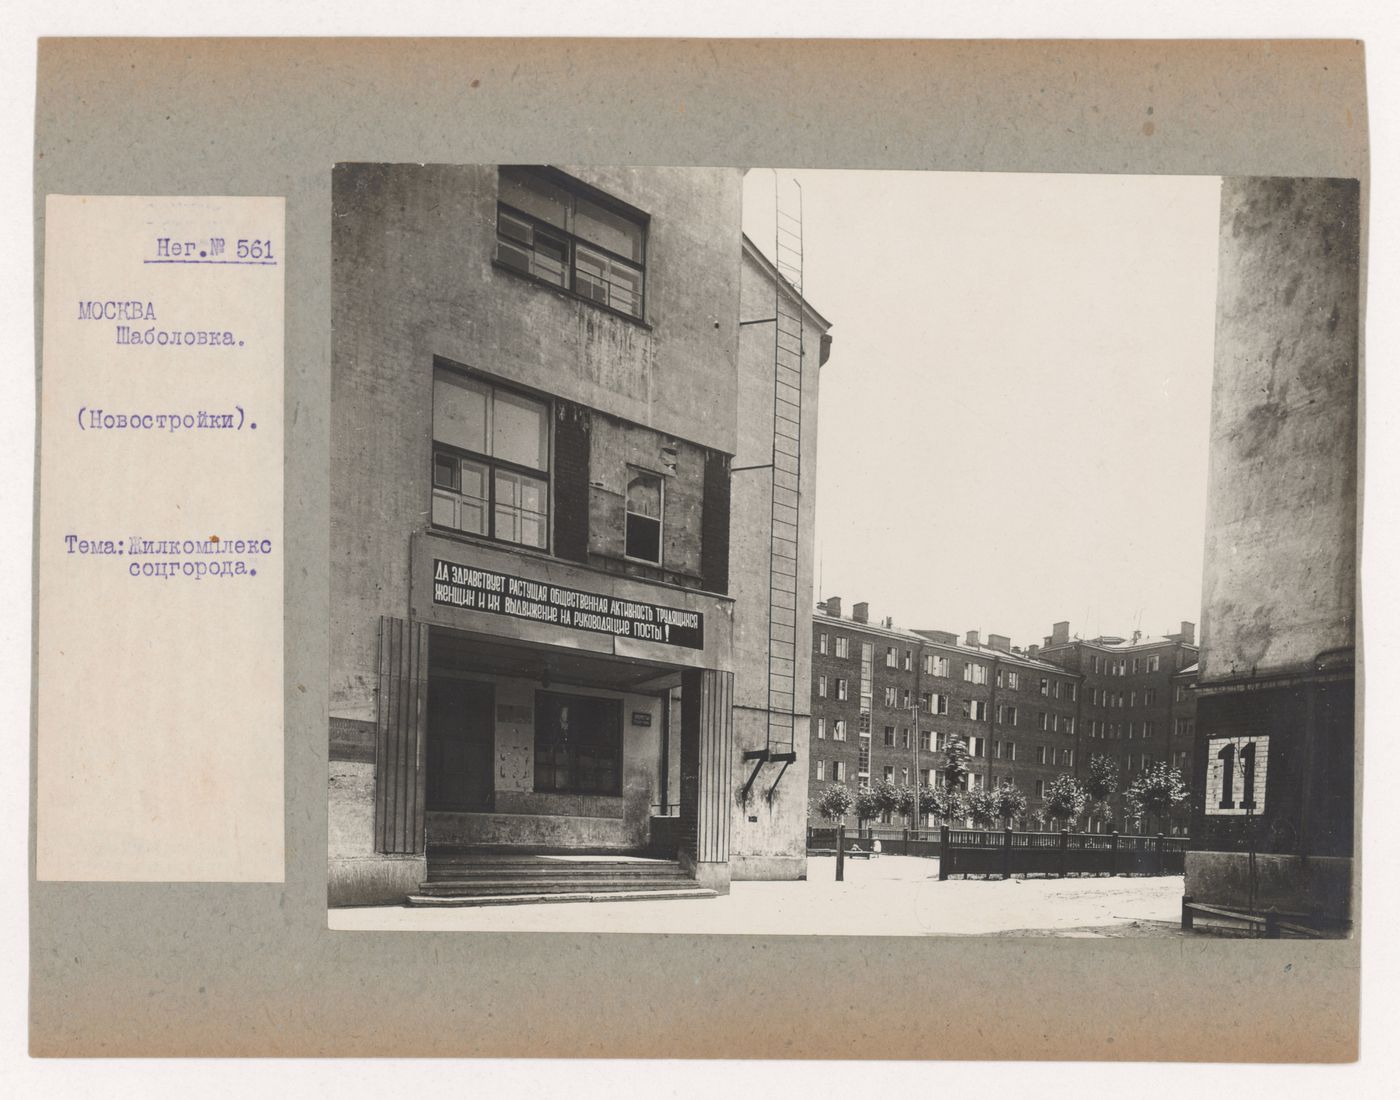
point(1227, 756)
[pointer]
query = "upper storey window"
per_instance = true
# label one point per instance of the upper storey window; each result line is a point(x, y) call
point(557, 230)
point(490, 461)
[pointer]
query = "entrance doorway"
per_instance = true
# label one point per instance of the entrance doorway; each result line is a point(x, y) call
point(461, 742)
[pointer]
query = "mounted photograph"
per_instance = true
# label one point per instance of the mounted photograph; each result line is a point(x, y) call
point(842, 552)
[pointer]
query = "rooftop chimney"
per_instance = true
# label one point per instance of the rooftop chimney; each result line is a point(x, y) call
point(1032, 651)
point(1000, 642)
point(833, 606)
point(860, 612)
point(1060, 633)
point(1188, 632)
point(972, 638)
point(888, 622)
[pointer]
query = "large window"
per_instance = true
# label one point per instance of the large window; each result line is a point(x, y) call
point(645, 496)
point(556, 230)
point(578, 744)
point(490, 460)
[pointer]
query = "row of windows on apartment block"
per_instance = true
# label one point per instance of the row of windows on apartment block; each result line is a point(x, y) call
point(491, 445)
point(975, 710)
point(976, 671)
point(836, 770)
point(1006, 716)
point(901, 697)
point(976, 746)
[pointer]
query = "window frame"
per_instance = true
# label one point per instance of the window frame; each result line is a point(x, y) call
point(575, 189)
point(490, 463)
point(627, 514)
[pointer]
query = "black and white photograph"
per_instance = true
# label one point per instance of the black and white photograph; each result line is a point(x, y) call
point(837, 552)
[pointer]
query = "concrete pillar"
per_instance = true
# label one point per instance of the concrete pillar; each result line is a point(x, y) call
point(707, 780)
point(1279, 595)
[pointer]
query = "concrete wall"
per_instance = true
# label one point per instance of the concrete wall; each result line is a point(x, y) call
point(773, 844)
point(1280, 564)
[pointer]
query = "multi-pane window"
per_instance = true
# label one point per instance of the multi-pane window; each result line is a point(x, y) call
point(556, 230)
point(490, 460)
point(821, 770)
point(645, 499)
point(821, 687)
point(889, 736)
point(977, 710)
point(1044, 686)
point(1013, 680)
point(926, 740)
point(935, 703)
point(908, 660)
point(838, 770)
point(891, 696)
point(821, 729)
point(863, 759)
point(841, 687)
point(1040, 755)
point(838, 730)
point(975, 672)
point(843, 646)
point(821, 643)
point(891, 657)
point(936, 666)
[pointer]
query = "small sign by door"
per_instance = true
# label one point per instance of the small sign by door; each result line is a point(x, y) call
point(641, 718)
point(1237, 771)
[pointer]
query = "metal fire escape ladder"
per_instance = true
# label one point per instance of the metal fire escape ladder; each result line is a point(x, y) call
point(786, 477)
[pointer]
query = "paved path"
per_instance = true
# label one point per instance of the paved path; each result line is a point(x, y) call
point(890, 896)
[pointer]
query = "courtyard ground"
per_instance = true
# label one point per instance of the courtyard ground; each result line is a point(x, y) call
point(889, 896)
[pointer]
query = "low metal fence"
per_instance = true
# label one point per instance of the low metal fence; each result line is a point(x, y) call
point(891, 842)
point(1006, 853)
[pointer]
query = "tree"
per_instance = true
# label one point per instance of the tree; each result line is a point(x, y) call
point(866, 807)
point(955, 758)
point(834, 802)
point(886, 797)
point(1154, 794)
point(1100, 786)
point(906, 802)
point(948, 805)
point(1064, 799)
point(1102, 812)
point(1010, 800)
point(984, 808)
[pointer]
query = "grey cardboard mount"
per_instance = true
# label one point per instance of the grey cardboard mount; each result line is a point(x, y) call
point(251, 969)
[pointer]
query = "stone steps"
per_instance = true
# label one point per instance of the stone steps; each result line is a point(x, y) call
point(468, 900)
point(467, 877)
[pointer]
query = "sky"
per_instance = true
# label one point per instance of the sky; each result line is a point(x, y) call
point(1013, 424)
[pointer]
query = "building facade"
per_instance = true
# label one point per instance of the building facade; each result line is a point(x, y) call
point(1138, 705)
point(1027, 714)
point(536, 380)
